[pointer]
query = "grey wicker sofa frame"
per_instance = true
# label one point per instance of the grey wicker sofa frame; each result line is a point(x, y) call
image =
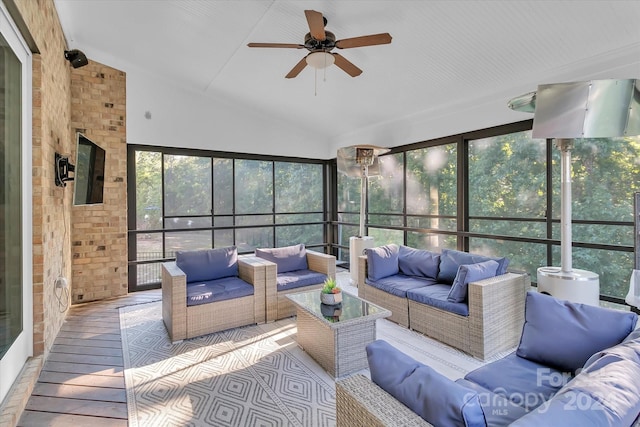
point(278, 305)
point(494, 323)
point(362, 403)
point(184, 321)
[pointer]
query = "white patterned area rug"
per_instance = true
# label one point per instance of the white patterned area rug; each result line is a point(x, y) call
point(251, 376)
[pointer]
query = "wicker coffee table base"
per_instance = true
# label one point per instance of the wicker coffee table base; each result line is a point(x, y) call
point(339, 348)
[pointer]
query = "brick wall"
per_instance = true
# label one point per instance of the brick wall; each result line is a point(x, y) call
point(84, 243)
point(51, 100)
point(51, 205)
point(99, 232)
point(92, 99)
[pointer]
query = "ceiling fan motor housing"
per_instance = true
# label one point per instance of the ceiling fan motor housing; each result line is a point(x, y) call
point(326, 45)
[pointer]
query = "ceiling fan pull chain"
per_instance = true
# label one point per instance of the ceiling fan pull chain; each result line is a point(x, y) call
point(315, 83)
point(324, 75)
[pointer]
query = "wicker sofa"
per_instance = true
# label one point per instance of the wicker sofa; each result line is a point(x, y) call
point(292, 269)
point(488, 321)
point(219, 290)
point(585, 373)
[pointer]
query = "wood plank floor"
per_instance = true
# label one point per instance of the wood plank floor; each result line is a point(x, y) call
point(82, 381)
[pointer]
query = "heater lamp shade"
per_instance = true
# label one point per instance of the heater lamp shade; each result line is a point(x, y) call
point(351, 159)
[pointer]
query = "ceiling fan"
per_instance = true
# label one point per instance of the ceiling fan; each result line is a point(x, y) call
point(320, 42)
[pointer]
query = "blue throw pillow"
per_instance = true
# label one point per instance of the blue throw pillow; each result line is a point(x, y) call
point(287, 258)
point(437, 399)
point(450, 260)
point(382, 261)
point(470, 273)
point(208, 264)
point(418, 262)
point(629, 348)
point(564, 334)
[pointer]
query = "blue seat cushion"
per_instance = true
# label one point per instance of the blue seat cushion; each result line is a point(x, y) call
point(437, 399)
point(382, 261)
point(450, 260)
point(217, 290)
point(565, 335)
point(299, 278)
point(498, 410)
point(556, 412)
point(523, 382)
point(418, 262)
point(399, 284)
point(208, 264)
point(468, 273)
point(437, 296)
point(607, 393)
point(286, 258)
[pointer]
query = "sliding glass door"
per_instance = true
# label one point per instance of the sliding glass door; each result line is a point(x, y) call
point(16, 331)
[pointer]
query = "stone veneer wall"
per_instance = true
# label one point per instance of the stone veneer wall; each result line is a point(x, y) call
point(99, 231)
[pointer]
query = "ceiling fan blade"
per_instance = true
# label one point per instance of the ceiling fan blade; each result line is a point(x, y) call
point(316, 24)
point(373, 39)
point(296, 70)
point(286, 45)
point(346, 66)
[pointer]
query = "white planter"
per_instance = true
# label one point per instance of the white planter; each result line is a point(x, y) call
point(331, 299)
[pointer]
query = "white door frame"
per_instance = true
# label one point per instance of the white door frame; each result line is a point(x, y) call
point(13, 361)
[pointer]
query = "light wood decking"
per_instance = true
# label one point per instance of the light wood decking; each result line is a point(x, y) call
point(82, 381)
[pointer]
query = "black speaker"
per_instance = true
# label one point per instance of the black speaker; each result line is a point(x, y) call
point(76, 58)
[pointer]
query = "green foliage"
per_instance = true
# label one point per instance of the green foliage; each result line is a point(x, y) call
point(283, 201)
point(148, 190)
point(330, 286)
point(432, 181)
point(253, 186)
point(194, 185)
point(385, 191)
point(508, 178)
point(187, 185)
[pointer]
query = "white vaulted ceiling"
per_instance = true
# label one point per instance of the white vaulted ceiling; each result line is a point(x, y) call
point(451, 67)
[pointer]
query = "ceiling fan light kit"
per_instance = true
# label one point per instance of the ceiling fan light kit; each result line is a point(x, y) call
point(320, 43)
point(320, 60)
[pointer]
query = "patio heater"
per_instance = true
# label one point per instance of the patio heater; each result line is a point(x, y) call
point(360, 161)
point(568, 112)
point(633, 296)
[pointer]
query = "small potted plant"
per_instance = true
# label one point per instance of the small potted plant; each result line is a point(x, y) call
point(331, 294)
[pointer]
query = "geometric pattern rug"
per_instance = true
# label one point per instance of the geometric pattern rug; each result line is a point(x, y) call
point(250, 376)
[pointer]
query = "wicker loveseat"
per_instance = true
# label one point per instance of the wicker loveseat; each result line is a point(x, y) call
point(487, 317)
point(292, 269)
point(212, 290)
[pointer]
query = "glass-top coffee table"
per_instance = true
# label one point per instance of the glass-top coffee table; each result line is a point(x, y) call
point(336, 336)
